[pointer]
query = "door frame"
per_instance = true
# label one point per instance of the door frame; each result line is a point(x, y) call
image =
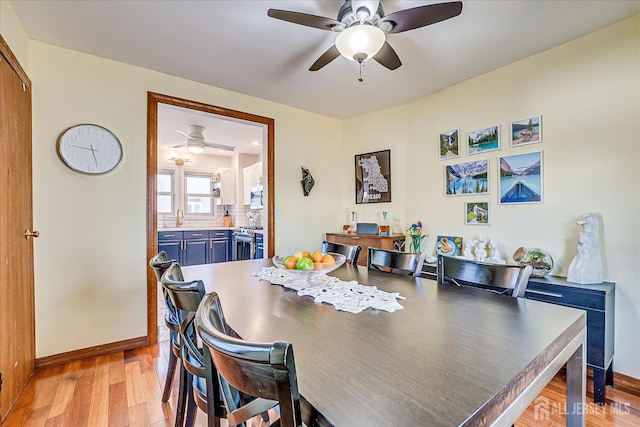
point(153, 99)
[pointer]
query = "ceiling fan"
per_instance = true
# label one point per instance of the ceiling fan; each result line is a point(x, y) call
point(362, 27)
point(196, 143)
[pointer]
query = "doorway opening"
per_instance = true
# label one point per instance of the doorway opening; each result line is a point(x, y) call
point(156, 101)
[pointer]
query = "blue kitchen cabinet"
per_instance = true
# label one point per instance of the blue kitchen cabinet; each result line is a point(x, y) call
point(195, 247)
point(219, 246)
point(171, 243)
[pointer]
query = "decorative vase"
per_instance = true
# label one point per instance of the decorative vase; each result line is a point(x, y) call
point(416, 240)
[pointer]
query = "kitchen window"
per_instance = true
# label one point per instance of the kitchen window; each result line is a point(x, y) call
point(165, 191)
point(197, 196)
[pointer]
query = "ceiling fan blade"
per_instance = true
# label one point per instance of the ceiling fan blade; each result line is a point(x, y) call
point(184, 134)
point(178, 146)
point(219, 146)
point(304, 19)
point(331, 54)
point(410, 19)
point(388, 57)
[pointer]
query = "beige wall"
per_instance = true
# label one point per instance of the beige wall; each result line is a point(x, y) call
point(90, 258)
point(588, 93)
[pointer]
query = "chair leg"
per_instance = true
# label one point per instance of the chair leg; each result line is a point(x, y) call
point(182, 396)
point(171, 370)
point(192, 408)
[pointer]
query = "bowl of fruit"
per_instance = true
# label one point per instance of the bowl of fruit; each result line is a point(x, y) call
point(309, 263)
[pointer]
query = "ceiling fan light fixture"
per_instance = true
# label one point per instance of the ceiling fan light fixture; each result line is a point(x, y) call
point(195, 149)
point(360, 42)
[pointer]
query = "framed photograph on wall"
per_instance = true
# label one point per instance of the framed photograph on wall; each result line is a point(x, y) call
point(476, 213)
point(466, 178)
point(481, 140)
point(373, 177)
point(520, 178)
point(526, 131)
point(449, 144)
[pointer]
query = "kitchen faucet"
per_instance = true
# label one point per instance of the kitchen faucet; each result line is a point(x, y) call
point(179, 214)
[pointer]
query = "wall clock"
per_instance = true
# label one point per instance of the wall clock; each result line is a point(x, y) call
point(89, 149)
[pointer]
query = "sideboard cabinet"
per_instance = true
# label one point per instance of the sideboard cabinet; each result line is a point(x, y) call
point(598, 300)
point(393, 242)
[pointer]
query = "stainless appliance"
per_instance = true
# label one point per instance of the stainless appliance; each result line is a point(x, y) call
point(257, 194)
point(244, 243)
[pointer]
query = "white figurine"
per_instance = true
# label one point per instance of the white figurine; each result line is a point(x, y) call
point(481, 250)
point(586, 266)
point(496, 256)
point(468, 249)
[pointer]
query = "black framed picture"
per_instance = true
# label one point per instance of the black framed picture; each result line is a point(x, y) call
point(373, 177)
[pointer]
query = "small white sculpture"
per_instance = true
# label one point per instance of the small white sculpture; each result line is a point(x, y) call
point(586, 266)
point(481, 250)
point(496, 256)
point(468, 249)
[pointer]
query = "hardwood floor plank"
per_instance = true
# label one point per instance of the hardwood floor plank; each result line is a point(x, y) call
point(58, 421)
point(153, 395)
point(99, 406)
point(37, 417)
point(116, 368)
point(138, 416)
point(135, 394)
point(118, 415)
point(81, 402)
point(66, 389)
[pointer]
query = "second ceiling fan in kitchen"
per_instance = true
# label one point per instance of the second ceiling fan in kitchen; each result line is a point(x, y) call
point(196, 143)
point(362, 28)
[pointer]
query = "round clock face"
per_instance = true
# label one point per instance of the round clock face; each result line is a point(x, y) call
point(89, 149)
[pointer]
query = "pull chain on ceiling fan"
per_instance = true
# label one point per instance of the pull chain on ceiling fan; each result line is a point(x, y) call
point(363, 27)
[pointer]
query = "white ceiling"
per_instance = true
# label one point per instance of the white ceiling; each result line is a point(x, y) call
point(236, 46)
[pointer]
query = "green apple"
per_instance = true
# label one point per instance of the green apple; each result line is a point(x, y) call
point(304, 264)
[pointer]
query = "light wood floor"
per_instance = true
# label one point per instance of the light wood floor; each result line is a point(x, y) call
point(124, 389)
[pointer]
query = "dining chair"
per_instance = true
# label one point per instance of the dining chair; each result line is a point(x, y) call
point(265, 371)
point(186, 296)
point(406, 263)
point(351, 252)
point(500, 278)
point(192, 394)
point(160, 263)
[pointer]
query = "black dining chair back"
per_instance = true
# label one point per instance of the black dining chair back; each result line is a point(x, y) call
point(500, 278)
point(186, 296)
point(351, 252)
point(160, 263)
point(265, 371)
point(406, 263)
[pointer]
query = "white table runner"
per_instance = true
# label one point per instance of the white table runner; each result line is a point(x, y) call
point(344, 296)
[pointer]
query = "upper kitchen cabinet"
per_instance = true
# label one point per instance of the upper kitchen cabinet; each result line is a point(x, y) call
point(252, 177)
point(226, 184)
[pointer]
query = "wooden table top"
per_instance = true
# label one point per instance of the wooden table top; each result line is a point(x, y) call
point(452, 356)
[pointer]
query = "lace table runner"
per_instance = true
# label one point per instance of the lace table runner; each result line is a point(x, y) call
point(344, 296)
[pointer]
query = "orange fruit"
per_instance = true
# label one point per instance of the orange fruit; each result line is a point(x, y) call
point(291, 263)
point(328, 260)
point(316, 256)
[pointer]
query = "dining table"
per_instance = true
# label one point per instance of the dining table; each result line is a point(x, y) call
point(451, 356)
